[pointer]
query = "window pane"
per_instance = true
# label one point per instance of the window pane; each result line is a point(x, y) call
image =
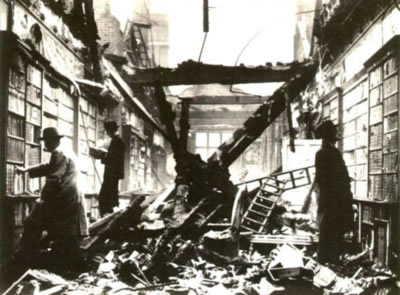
point(214, 139)
point(202, 152)
point(201, 139)
point(211, 151)
point(226, 136)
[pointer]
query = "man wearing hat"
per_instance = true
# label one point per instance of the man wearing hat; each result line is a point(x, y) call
point(113, 170)
point(335, 198)
point(58, 210)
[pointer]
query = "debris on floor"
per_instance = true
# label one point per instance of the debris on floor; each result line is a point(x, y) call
point(122, 270)
point(143, 250)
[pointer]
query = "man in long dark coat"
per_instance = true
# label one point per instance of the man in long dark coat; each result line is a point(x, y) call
point(335, 197)
point(59, 207)
point(113, 170)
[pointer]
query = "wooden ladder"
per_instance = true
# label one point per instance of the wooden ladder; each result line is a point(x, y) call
point(139, 46)
point(271, 188)
point(256, 217)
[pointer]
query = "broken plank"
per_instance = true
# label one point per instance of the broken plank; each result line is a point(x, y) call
point(101, 228)
point(283, 239)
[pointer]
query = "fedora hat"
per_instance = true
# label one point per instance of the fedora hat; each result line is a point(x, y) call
point(326, 129)
point(111, 125)
point(50, 132)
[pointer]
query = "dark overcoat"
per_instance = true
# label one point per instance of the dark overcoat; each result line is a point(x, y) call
point(60, 195)
point(334, 202)
point(113, 172)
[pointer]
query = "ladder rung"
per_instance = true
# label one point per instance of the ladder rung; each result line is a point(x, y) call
point(257, 212)
point(248, 228)
point(253, 220)
point(261, 205)
point(267, 199)
point(272, 193)
point(277, 180)
point(274, 186)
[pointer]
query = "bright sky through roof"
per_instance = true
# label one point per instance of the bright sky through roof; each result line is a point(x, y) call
point(262, 29)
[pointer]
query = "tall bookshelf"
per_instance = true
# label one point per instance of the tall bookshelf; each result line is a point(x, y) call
point(87, 138)
point(383, 139)
point(355, 136)
point(379, 212)
point(135, 159)
point(24, 121)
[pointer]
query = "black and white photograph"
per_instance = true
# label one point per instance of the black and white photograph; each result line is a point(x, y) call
point(193, 147)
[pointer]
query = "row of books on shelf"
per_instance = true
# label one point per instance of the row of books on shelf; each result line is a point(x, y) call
point(34, 95)
point(15, 149)
point(15, 125)
point(17, 79)
point(16, 101)
point(21, 211)
point(34, 75)
point(15, 183)
point(33, 133)
point(33, 115)
point(32, 155)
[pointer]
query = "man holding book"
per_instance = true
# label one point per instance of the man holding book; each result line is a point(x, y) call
point(113, 169)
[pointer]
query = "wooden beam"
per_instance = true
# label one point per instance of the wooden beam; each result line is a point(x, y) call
point(184, 125)
point(226, 100)
point(264, 116)
point(190, 73)
point(220, 115)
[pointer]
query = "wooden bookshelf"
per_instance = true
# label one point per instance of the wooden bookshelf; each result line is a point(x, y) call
point(379, 218)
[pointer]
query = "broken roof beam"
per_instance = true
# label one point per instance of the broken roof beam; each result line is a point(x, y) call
point(246, 100)
point(254, 126)
point(191, 72)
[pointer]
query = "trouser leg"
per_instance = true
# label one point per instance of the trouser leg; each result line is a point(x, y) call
point(330, 240)
point(108, 196)
point(33, 228)
point(72, 254)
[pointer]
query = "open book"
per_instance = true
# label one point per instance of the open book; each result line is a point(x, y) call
point(97, 153)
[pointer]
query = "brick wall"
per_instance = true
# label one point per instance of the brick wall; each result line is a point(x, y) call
point(108, 27)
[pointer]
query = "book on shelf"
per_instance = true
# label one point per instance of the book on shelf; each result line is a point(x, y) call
point(34, 95)
point(32, 155)
point(15, 182)
point(29, 133)
point(15, 150)
point(15, 125)
point(17, 79)
point(32, 133)
point(50, 106)
point(16, 102)
point(34, 76)
point(33, 114)
point(97, 153)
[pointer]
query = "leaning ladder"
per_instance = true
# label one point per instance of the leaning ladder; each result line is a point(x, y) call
point(255, 219)
point(256, 216)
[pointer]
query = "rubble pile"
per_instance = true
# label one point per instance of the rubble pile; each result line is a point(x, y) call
point(122, 268)
point(161, 244)
point(284, 270)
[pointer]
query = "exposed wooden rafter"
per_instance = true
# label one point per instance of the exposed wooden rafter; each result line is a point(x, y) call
point(190, 73)
point(264, 116)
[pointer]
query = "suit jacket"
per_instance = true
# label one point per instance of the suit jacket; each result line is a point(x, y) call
point(60, 195)
point(114, 160)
